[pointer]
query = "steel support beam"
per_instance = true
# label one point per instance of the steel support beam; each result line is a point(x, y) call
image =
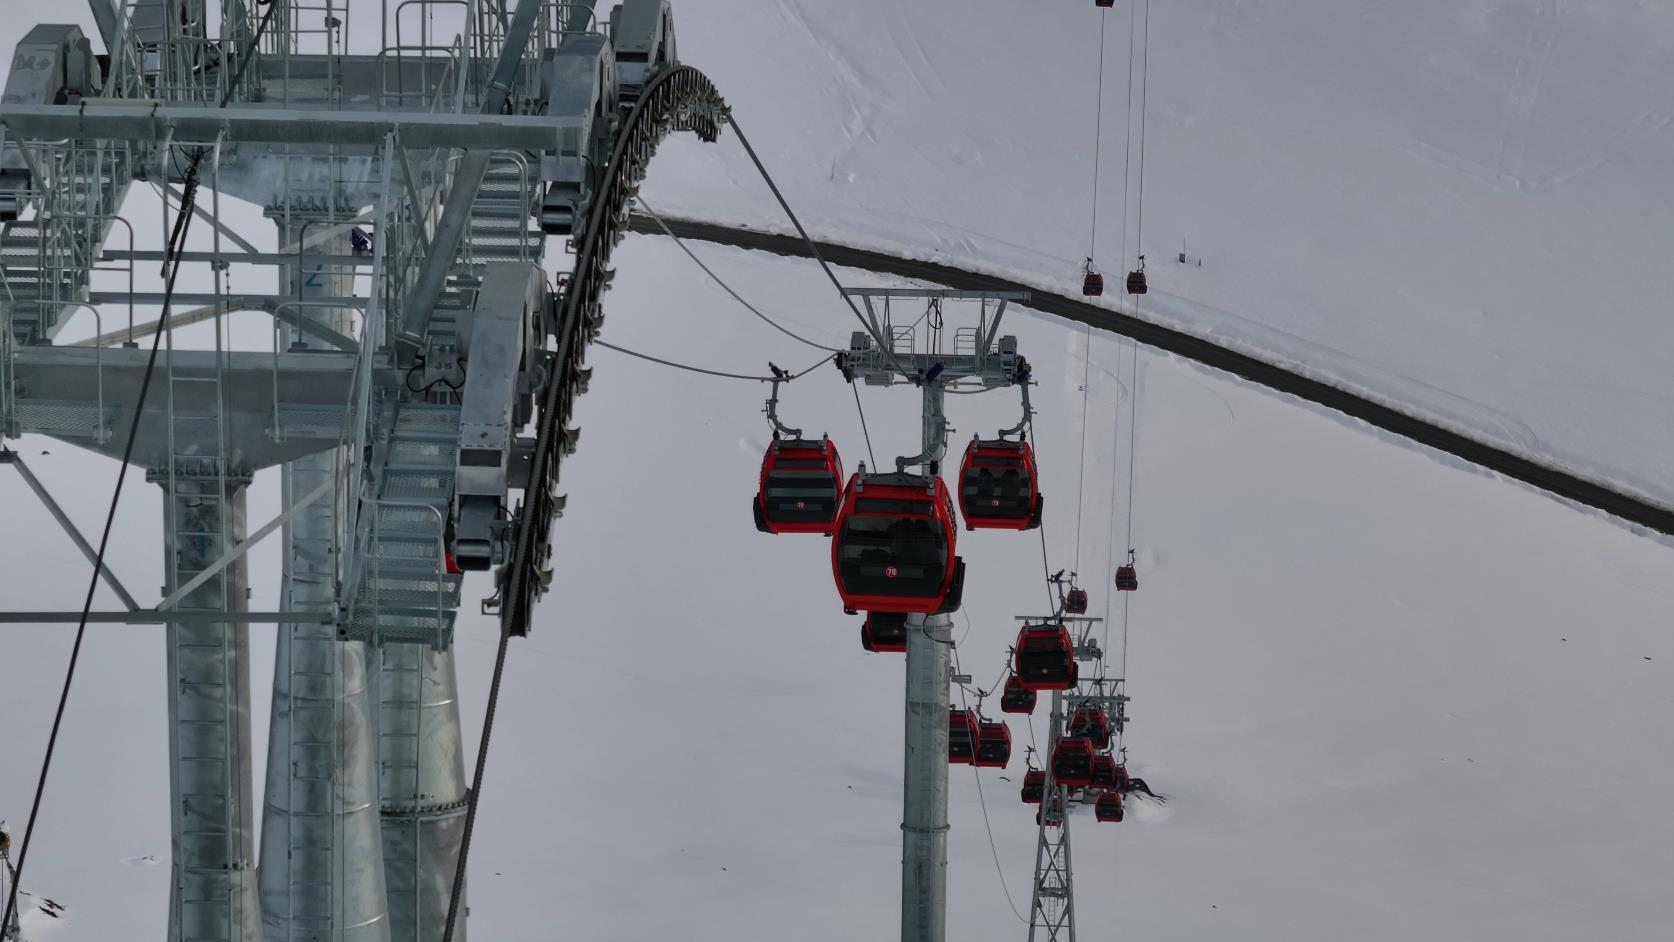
point(16, 460)
point(237, 552)
point(146, 616)
point(151, 121)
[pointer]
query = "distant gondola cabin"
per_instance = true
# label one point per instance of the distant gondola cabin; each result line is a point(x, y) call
point(993, 745)
point(1034, 786)
point(884, 632)
point(1016, 698)
point(1044, 658)
point(1091, 720)
point(1075, 602)
point(964, 733)
point(1072, 762)
point(1109, 807)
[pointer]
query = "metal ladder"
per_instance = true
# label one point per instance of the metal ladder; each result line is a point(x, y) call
point(312, 841)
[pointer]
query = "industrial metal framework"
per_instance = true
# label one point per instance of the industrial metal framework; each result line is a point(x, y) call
point(413, 166)
point(1052, 904)
point(888, 352)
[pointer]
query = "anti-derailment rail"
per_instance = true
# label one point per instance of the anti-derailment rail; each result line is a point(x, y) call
point(1556, 481)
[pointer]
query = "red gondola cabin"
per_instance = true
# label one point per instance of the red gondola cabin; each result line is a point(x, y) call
point(1075, 602)
point(893, 551)
point(1092, 722)
point(997, 485)
point(884, 632)
point(1016, 698)
point(964, 736)
point(1072, 762)
point(1109, 807)
point(1127, 579)
point(801, 487)
point(1044, 658)
point(1136, 282)
point(993, 745)
point(1092, 285)
point(1105, 772)
point(1034, 786)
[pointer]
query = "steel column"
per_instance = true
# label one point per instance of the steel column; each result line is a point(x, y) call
point(422, 783)
point(322, 860)
point(924, 774)
point(213, 886)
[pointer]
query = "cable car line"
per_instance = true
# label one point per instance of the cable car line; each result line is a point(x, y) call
point(1081, 471)
point(1098, 140)
point(724, 286)
point(176, 243)
point(812, 246)
point(720, 373)
point(982, 802)
point(863, 429)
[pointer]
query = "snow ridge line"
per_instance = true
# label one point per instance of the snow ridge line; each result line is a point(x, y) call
point(1531, 469)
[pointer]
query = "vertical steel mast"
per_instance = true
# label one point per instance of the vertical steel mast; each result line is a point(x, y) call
point(924, 767)
point(882, 355)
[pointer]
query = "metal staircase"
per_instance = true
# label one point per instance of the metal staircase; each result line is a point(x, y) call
point(405, 593)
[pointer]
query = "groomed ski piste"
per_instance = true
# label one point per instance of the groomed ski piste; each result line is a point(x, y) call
point(1388, 696)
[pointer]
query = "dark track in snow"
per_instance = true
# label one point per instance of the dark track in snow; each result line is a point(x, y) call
point(1556, 481)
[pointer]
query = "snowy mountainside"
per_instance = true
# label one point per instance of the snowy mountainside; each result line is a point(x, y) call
point(1457, 207)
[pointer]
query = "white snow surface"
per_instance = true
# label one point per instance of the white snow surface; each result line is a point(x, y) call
point(1388, 696)
point(1459, 207)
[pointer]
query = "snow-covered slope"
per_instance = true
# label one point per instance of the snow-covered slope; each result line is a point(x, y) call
point(1457, 205)
point(1388, 698)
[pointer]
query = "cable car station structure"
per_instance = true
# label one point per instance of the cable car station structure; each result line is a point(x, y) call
point(413, 178)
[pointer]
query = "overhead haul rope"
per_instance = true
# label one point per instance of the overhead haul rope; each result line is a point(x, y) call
point(708, 372)
point(1133, 398)
point(724, 286)
point(1081, 470)
point(993, 849)
point(814, 249)
point(171, 270)
point(1098, 139)
point(1144, 107)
